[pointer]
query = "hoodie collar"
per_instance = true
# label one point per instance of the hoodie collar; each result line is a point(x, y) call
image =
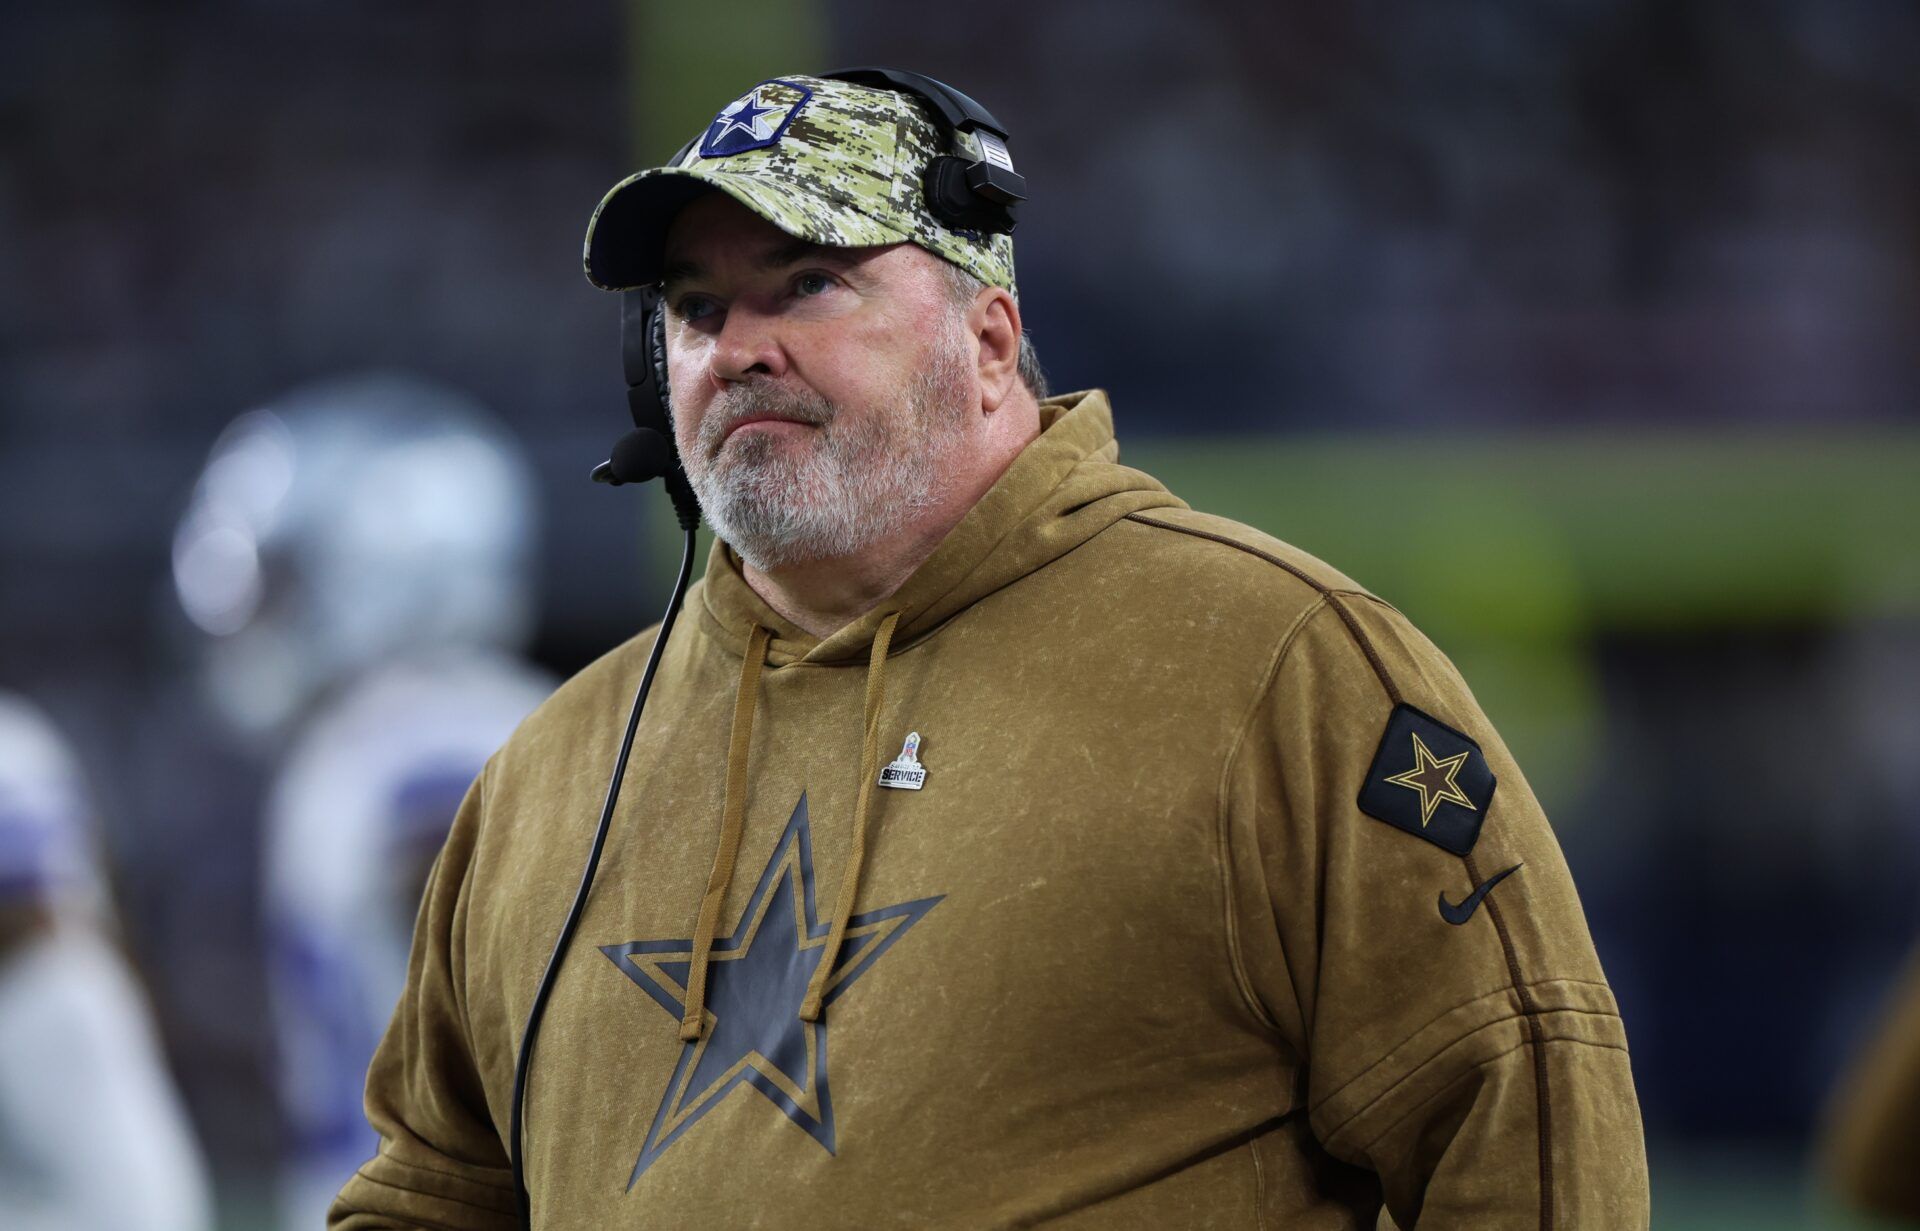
point(1063, 488)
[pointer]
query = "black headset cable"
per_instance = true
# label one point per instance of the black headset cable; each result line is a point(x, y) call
point(524, 1062)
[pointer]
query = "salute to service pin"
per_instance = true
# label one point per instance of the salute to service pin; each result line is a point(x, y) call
point(905, 772)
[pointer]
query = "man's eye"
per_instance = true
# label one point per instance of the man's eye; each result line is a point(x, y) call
point(692, 308)
point(811, 284)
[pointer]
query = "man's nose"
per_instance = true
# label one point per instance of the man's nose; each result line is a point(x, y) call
point(748, 345)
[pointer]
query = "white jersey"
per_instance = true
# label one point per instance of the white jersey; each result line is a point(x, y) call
point(362, 804)
point(92, 1134)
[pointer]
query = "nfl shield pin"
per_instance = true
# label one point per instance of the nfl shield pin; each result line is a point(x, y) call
point(905, 772)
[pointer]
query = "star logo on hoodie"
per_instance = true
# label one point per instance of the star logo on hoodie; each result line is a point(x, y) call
point(755, 986)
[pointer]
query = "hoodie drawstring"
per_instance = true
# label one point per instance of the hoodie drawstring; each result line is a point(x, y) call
point(693, 1021)
point(869, 773)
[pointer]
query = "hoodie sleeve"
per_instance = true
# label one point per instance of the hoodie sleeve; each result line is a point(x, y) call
point(442, 1161)
point(1409, 926)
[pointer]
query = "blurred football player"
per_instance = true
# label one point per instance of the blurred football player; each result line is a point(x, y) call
point(359, 553)
point(92, 1133)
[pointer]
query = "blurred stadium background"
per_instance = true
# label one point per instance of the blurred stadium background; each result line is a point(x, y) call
point(1585, 331)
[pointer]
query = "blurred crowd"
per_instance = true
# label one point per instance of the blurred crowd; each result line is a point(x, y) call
point(299, 386)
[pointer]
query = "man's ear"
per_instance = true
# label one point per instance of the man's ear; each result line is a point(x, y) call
point(995, 322)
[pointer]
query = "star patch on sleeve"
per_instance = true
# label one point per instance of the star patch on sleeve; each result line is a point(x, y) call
point(1429, 780)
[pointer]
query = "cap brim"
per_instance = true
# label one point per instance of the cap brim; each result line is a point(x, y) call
point(627, 235)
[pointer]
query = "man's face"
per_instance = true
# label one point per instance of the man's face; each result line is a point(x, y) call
point(819, 394)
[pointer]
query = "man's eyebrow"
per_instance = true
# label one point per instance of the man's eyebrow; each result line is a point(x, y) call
point(789, 253)
point(677, 272)
point(796, 251)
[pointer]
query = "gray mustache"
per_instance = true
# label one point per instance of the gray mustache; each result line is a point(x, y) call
point(742, 404)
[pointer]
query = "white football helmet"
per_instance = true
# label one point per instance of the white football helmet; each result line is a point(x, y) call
point(345, 523)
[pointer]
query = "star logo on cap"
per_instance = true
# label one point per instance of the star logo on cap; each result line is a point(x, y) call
point(755, 120)
point(745, 116)
point(1433, 777)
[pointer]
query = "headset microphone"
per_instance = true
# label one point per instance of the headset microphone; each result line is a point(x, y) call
point(640, 455)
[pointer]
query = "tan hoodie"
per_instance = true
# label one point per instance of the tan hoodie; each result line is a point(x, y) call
point(1162, 939)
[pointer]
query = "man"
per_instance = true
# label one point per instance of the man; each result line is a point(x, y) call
point(1199, 891)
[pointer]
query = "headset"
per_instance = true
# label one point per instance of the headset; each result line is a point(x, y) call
point(965, 193)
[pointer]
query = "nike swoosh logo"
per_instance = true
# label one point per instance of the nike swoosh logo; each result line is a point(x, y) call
point(1457, 915)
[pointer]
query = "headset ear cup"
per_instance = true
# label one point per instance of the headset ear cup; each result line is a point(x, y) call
point(681, 491)
point(953, 201)
point(657, 357)
point(964, 193)
point(643, 347)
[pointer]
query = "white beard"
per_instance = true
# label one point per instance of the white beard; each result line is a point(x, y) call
point(856, 480)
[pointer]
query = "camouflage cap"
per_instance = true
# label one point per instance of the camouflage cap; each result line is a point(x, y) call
point(828, 161)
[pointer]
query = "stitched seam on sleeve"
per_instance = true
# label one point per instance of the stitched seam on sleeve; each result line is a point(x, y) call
point(419, 1192)
point(473, 857)
point(1436, 1054)
point(459, 935)
point(1325, 591)
point(1466, 1073)
point(1482, 1028)
point(1259, 1187)
point(413, 1223)
point(1543, 1091)
point(1410, 1036)
point(389, 1157)
point(1223, 816)
point(1415, 1032)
